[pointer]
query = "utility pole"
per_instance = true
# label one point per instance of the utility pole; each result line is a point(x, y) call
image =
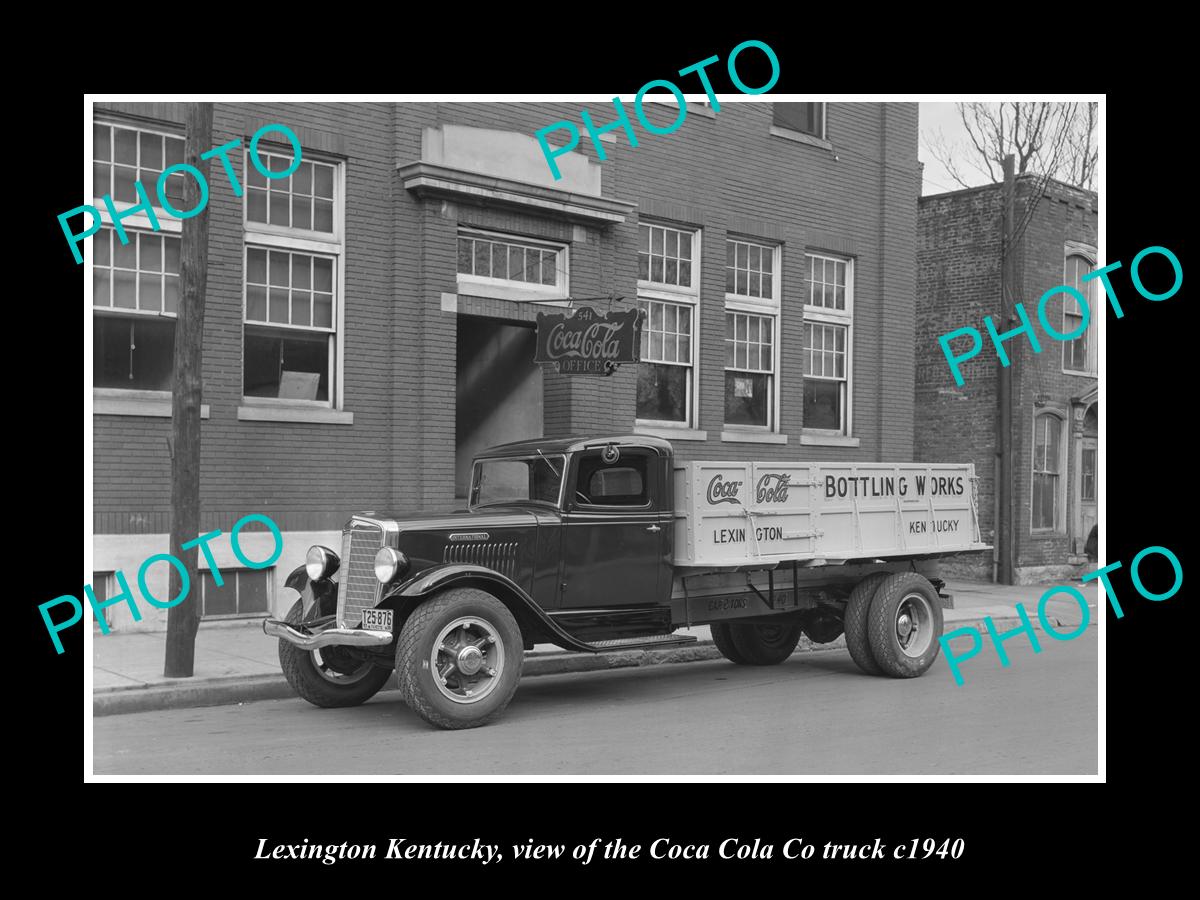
point(183, 619)
point(1004, 386)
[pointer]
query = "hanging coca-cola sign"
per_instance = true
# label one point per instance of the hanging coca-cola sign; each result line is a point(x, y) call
point(586, 342)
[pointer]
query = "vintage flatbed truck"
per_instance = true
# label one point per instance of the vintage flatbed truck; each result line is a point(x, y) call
point(607, 543)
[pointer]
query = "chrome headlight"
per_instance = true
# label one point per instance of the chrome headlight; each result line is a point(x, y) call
point(320, 563)
point(389, 563)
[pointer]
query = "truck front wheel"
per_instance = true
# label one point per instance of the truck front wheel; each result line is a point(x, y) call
point(329, 677)
point(459, 658)
point(904, 625)
point(765, 645)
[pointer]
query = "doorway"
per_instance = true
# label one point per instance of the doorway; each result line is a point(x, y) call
point(499, 390)
point(1087, 488)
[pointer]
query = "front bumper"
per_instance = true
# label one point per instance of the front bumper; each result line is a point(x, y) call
point(325, 636)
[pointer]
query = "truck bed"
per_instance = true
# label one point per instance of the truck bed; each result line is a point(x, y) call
point(742, 514)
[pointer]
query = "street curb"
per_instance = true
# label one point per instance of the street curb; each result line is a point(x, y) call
point(238, 689)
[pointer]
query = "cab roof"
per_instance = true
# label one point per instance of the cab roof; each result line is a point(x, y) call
point(575, 444)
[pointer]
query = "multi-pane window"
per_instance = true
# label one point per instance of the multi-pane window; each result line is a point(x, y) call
point(289, 324)
point(825, 377)
point(664, 374)
point(827, 282)
point(749, 270)
point(828, 334)
point(1079, 353)
point(807, 118)
point(135, 295)
point(1087, 474)
point(481, 256)
point(1047, 469)
point(302, 200)
point(291, 281)
point(749, 369)
point(665, 256)
point(245, 592)
point(122, 156)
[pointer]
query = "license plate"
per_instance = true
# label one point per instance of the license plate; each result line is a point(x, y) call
point(377, 619)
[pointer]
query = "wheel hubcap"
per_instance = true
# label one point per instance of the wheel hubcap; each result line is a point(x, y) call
point(467, 659)
point(914, 625)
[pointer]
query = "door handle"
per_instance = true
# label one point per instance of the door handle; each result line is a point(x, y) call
point(653, 529)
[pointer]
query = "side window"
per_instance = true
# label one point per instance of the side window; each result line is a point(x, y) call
point(623, 482)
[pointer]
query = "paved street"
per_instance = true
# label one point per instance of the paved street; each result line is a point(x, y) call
point(814, 714)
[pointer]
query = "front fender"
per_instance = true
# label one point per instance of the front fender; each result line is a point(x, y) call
point(528, 614)
point(319, 594)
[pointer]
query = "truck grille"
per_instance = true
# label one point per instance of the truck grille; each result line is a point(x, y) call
point(359, 588)
point(501, 557)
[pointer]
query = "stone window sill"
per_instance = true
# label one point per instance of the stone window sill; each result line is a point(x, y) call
point(313, 415)
point(801, 138)
point(137, 403)
point(817, 439)
point(736, 435)
point(671, 434)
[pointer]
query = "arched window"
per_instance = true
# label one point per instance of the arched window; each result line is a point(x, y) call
point(1079, 354)
point(1046, 502)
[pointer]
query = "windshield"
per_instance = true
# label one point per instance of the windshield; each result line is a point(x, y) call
point(526, 480)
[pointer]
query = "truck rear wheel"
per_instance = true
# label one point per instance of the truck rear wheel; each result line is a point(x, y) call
point(722, 636)
point(459, 658)
point(329, 677)
point(765, 645)
point(858, 611)
point(904, 625)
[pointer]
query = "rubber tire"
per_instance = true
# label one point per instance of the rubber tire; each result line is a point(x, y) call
point(881, 625)
point(722, 635)
point(757, 650)
point(858, 612)
point(416, 643)
point(301, 673)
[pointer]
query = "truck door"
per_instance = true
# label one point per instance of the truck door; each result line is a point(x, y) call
point(614, 530)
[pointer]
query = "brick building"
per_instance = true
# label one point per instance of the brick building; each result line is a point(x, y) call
point(369, 319)
point(1054, 391)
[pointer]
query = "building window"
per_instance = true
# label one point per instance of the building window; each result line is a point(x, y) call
point(289, 324)
point(517, 262)
point(135, 295)
point(302, 201)
point(1079, 354)
point(665, 256)
point(1047, 471)
point(245, 592)
point(665, 372)
point(1087, 485)
point(122, 156)
point(828, 339)
point(752, 291)
point(806, 118)
point(749, 369)
point(749, 270)
point(291, 282)
point(668, 293)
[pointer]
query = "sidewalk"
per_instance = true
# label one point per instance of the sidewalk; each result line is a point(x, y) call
point(237, 663)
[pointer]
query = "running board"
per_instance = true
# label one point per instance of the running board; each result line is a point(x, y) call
point(640, 643)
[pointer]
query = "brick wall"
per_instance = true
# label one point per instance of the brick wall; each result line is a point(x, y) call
point(958, 283)
point(724, 174)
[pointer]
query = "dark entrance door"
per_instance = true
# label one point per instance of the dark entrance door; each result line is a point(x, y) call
point(613, 533)
point(499, 392)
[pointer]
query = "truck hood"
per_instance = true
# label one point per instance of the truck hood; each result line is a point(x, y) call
point(495, 516)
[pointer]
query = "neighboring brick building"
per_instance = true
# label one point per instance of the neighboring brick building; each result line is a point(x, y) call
point(369, 319)
point(1054, 391)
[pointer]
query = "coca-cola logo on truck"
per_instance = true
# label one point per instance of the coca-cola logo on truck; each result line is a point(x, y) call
point(588, 343)
point(773, 488)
